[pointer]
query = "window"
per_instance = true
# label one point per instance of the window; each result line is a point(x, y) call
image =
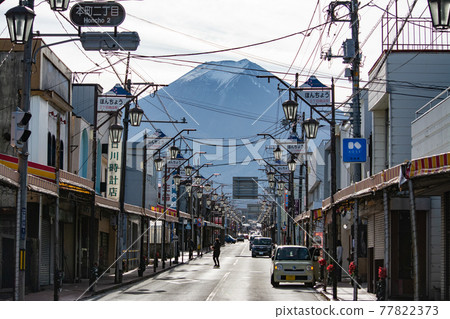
point(293, 253)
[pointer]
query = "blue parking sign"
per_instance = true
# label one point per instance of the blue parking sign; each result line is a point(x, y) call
point(354, 150)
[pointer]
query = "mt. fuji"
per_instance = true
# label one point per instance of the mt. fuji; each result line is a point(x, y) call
point(224, 101)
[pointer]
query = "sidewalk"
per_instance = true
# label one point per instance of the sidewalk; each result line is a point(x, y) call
point(345, 292)
point(78, 291)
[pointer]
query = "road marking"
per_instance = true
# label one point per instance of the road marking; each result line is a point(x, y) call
point(243, 249)
point(216, 289)
point(182, 281)
point(235, 262)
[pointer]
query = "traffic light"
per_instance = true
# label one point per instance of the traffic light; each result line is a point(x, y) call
point(19, 133)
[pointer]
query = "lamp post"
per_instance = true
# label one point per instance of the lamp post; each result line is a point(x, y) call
point(134, 118)
point(311, 127)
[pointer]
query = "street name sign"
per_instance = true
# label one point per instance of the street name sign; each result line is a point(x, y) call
point(97, 14)
point(111, 103)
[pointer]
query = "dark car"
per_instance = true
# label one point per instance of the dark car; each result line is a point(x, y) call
point(230, 240)
point(240, 238)
point(262, 246)
point(250, 241)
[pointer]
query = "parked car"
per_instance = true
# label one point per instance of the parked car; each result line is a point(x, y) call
point(230, 240)
point(262, 246)
point(292, 264)
point(240, 237)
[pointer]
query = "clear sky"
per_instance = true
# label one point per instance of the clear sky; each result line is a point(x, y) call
point(179, 27)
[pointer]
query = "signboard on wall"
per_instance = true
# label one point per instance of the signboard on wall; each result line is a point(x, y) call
point(113, 178)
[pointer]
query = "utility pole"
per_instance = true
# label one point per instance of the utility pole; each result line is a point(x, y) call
point(355, 87)
point(352, 56)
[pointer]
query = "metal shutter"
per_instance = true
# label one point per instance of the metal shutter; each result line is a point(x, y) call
point(371, 231)
point(379, 236)
point(44, 269)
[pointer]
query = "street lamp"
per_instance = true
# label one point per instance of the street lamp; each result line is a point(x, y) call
point(159, 163)
point(188, 187)
point(277, 153)
point(188, 170)
point(177, 179)
point(290, 110)
point(281, 185)
point(59, 5)
point(271, 184)
point(310, 127)
point(207, 187)
point(440, 13)
point(20, 23)
point(271, 176)
point(292, 164)
point(136, 114)
point(174, 152)
point(198, 179)
point(115, 132)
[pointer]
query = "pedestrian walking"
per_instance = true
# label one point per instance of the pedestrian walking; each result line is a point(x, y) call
point(216, 253)
point(191, 248)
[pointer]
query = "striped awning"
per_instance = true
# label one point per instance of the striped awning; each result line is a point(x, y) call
point(430, 165)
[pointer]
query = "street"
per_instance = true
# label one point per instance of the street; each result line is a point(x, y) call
point(240, 278)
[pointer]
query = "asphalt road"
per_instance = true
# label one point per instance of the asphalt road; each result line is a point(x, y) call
point(240, 278)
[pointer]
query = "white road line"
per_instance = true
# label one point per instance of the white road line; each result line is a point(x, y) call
point(243, 249)
point(216, 289)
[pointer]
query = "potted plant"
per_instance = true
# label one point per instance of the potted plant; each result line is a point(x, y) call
point(381, 284)
point(322, 263)
point(353, 271)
